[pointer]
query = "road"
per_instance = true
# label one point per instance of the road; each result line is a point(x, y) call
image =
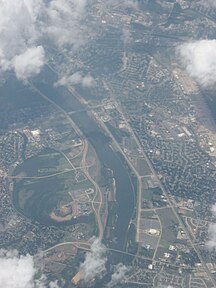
point(171, 204)
point(43, 177)
point(84, 245)
point(97, 193)
point(134, 170)
point(85, 169)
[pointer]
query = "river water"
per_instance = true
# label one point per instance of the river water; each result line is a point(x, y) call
point(109, 158)
point(124, 188)
point(92, 131)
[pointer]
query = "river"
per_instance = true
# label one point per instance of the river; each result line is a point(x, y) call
point(109, 158)
point(20, 95)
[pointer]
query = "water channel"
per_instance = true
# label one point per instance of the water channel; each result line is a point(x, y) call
point(109, 158)
point(102, 145)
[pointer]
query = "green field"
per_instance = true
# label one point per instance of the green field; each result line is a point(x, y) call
point(37, 196)
point(46, 163)
point(143, 167)
point(148, 214)
point(170, 227)
point(151, 197)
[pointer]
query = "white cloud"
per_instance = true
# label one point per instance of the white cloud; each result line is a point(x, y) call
point(18, 28)
point(164, 286)
point(199, 59)
point(53, 284)
point(88, 81)
point(211, 243)
point(214, 209)
point(76, 78)
point(63, 22)
point(95, 261)
point(208, 3)
point(126, 35)
point(125, 3)
point(17, 271)
point(131, 3)
point(29, 63)
point(73, 79)
point(118, 275)
point(26, 24)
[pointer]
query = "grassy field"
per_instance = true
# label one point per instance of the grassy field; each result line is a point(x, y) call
point(131, 245)
point(143, 167)
point(48, 162)
point(37, 196)
point(169, 227)
point(148, 214)
point(151, 197)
